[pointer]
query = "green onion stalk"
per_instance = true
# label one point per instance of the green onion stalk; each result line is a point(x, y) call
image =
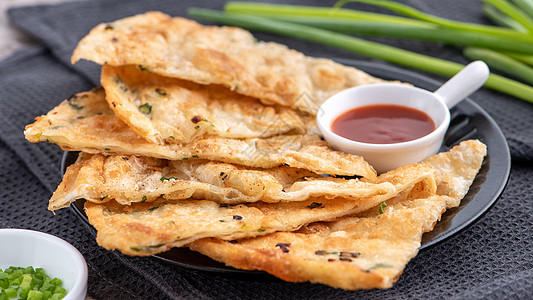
point(497, 17)
point(526, 6)
point(448, 36)
point(360, 46)
point(281, 10)
point(462, 26)
point(501, 62)
point(527, 59)
point(513, 12)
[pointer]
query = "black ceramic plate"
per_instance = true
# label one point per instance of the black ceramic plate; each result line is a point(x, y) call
point(469, 121)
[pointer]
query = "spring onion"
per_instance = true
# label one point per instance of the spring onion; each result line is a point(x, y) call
point(527, 59)
point(526, 6)
point(513, 12)
point(29, 283)
point(449, 36)
point(501, 62)
point(414, 13)
point(360, 46)
point(497, 17)
point(280, 10)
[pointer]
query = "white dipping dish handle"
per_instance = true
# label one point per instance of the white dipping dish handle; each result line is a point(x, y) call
point(464, 83)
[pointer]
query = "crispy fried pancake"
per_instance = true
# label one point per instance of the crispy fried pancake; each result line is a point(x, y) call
point(84, 122)
point(230, 56)
point(355, 253)
point(364, 252)
point(130, 179)
point(169, 110)
point(152, 227)
point(465, 160)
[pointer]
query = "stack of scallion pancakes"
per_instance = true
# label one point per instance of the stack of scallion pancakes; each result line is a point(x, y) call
point(202, 137)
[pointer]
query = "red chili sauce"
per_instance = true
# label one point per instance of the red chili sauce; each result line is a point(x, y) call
point(383, 124)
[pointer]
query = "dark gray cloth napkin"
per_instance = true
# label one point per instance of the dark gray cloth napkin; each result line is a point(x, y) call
point(491, 259)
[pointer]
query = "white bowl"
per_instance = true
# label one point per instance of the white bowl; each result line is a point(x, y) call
point(385, 157)
point(24, 248)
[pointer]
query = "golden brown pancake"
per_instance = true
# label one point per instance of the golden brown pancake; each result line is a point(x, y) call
point(230, 56)
point(168, 110)
point(84, 122)
point(202, 139)
point(152, 227)
point(353, 253)
point(369, 250)
point(130, 179)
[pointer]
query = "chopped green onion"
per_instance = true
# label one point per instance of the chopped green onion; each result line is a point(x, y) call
point(25, 284)
point(363, 47)
point(16, 274)
point(501, 63)
point(382, 205)
point(145, 108)
point(30, 284)
point(35, 295)
point(314, 205)
point(75, 106)
point(10, 293)
point(379, 265)
point(4, 282)
point(168, 178)
point(57, 296)
point(161, 92)
point(143, 68)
